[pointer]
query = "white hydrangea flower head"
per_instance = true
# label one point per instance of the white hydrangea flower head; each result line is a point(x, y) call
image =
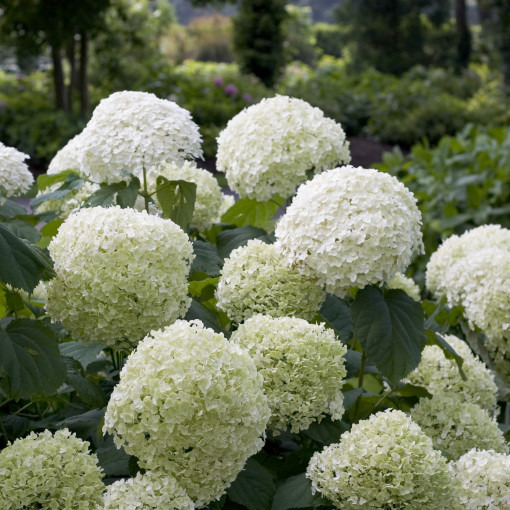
point(438, 279)
point(191, 404)
point(67, 158)
point(227, 201)
point(456, 427)
point(438, 374)
point(256, 278)
point(15, 177)
point(351, 227)
point(383, 462)
point(150, 491)
point(481, 479)
point(119, 274)
point(50, 471)
point(302, 365)
point(71, 202)
point(269, 147)
point(132, 130)
point(208, 197)
point(408, 285)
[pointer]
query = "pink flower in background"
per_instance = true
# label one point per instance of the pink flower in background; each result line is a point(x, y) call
point(247, 97)
point(231, 90)
point(218, 81)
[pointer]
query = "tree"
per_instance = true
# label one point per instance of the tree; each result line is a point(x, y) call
point(463, 34)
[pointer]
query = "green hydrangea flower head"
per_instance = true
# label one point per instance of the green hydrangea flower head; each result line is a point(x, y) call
point(482, 480)
point(50, 471)
point(302, 365)
point(120, 274)
point(408, 285)
point(150, 491)
point(438, 374)
point(257, 279)
point(456, 427)
point(190, 404)
point(384, 462)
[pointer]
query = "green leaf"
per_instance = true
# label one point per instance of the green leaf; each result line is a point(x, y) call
point(296, 492)
point(197, 287)
point(113, 460)
point(336, 313)
point(450, 353)
point(351, 396)
point(177, 199)
point(86, 425)
point(71, 182)
point(229, 240)
point(84, 354)
point(22, 265)
point(389, 326)
point(247, 211)
point(104, 196)
point(253, 488)
point(10, 209)
point(127, 196)
point(46, 180)
point(89, 392)
point(327, 431)
point(30, 361)
point(51, 228)
point(206, 259)
point(199, 311)
point(23, 230)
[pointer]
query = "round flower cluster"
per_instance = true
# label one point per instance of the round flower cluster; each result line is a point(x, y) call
point(73, 200)
point(119, 274)
point(438, 374)
point(302, 365)
point(130, 131)
point(227, 201)
point(257, 279)
point(383, 462)
point(208, 197)
point(456, 427)
point(481, 480)
point(408, 285)
point(268, 148)
point(15, 177)
point(150, 491)
point(190, 404)
point(351, 227)
point(66, 158)
point(50, 471)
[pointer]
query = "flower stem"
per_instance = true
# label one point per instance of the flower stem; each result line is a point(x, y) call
point(145, 193)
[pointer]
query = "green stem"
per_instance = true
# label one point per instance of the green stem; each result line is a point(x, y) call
point(23, 408)
point(145, 192)
point(5, 402)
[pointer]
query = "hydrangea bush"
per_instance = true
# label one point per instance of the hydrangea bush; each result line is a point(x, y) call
point(15, 177)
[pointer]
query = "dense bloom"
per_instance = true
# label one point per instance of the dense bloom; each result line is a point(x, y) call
point(457, 427)
point(408, 285)
point(481, 480)
point(150, 491)
point(191, 404)
point(132, 130)
point(383, 462)
point(438, 374)
point(63, 207)
point(351, 227)
point(227, 201)
point(302, 365)
point(67, 157)
point(208, 198)
point(120, 273)
point(268, 148)
point(15, 177)
point(50, 471)
point(257, 279)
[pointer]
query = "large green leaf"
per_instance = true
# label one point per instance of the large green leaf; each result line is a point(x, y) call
point(71, 182)
point(390, 327)
point(104, 196)
point(126, 197)
point(336, 312)
point(10, 209)
point(253, 488)
point(30, 361)
point(84, 354)
point(177, 199)
point(206, 259)
point(22, 264)
point(198, 311)
point(247, 211)
point(296, 492)
point(229, 240)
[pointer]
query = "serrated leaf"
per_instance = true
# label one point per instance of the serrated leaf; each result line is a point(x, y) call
point(30, 361)
point(127, 196)
point(23, 230)
point(71, 182)
point(114, 461)
point(84, 354)
point(104, 196)
point(195, 288)
point(253, 488)
point(199, 311)
point(177, 199)
point(229, 240)
point(389, 326)
point(51, 228)
point(206, 259)
point(295, 492)
point(336, 313)
point(22, 265)
point(247, 211)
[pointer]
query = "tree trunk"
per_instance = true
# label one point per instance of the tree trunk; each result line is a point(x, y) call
point(74, 82)
point(463, 35)
point(84, 90)
point(58, 80)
